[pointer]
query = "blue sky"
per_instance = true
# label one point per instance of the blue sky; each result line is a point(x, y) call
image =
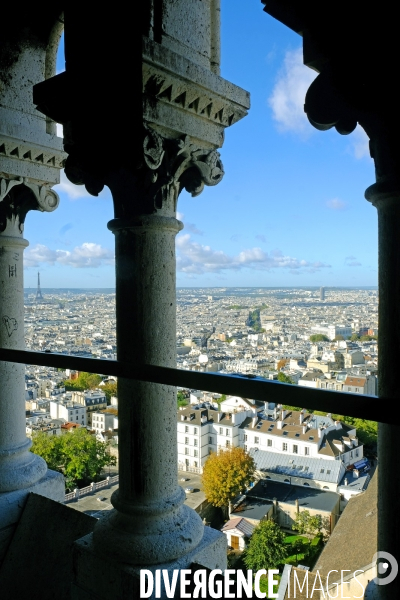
point(290, 210)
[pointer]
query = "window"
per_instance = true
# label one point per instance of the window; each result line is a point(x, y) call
point(195, 442)
point(186, 451)
point(227, 431)
point(307, 451)
point(186, 440)
point(284, 446)
point(210, 440)
point(221, 431)
point(322, 470)
point(351, 454)
point(245, 438)
point(186, 429)
point(256, 440)
point(245, 448)
point(328, 471)
point(227, 443)
point(195, 453)
point(195, 463)
point(356, 452)
point(306, 484)
point(195, 431)
point(295, 449)
point(269, 442)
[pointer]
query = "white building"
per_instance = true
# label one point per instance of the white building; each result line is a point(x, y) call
point(71, 412)
point(299, 433)
point(203, 430)
point(105, 420)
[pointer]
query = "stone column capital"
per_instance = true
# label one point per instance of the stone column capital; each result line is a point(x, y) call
point(17, 197)
point(164, 168)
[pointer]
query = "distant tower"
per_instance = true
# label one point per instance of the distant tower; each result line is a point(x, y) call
point(38, 291)
point(322, 294)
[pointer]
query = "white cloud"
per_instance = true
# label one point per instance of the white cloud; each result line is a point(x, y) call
point(195, 258)
point(360, 143)
point(351, 261)
point(74, 192)
point(336, 204)
point(288, 95)
point(84, 256)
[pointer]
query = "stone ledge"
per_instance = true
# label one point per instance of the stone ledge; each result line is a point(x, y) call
point(98, 577)
point(12, 504)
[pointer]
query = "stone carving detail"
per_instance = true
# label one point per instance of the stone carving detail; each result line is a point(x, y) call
point(172, 165)
point(167, 166)
point(18, 196)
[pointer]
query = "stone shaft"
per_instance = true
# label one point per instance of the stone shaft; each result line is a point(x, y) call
point(386, 198)
point(151, 525)
point(19, 468)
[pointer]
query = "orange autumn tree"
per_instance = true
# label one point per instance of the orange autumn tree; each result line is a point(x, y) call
point(227, 474)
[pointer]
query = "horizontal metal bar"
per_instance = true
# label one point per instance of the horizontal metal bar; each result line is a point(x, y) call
point(352, 405)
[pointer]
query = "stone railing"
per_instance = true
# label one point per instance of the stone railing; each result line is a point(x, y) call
point(77, 493)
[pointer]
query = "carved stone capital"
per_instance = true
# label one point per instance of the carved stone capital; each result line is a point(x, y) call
point(19, 196)
point(166, 167)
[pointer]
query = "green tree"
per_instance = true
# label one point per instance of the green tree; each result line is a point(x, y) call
point(110, 389)
point(266, 548)
point(227, 474)
point(284, 378)
point(355, 337)
point(319, 337)
point(307, 524)
point(78, 455)
point(181, 399)
point(338, 338)
point(85, 381)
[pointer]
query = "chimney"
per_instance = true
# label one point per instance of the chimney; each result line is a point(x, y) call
point(301, 417)
point(203, 419)
point(220, 416)
point(319, 432)
point(265, 406)
point(233, 418)
point(337, 424)
point(279, 424)
point(254, 422)
point(345, 481)
point(284, 413)
point(304, 428)
point(183, 418)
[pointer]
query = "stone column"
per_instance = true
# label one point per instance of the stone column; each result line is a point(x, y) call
point(151, 524)
point(21, 471)
point(19, 468)
point(386, 197)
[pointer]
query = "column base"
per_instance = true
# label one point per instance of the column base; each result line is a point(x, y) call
point(52, 485)
point(100, 578)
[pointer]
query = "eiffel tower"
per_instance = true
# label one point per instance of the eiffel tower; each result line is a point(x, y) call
point(38, 291)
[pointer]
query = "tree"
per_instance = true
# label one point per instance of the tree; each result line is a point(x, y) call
point(338, 338)
point(78, 455)
point(282, 363)
point(227, 474)
point(110, 389)
point(355, 337)
point(284, 378)
point(85, 381)
point(307, 524)
point(181, 399)
point(266, 548)
point(319, 337)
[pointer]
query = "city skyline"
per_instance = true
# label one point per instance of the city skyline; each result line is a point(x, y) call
point(289, 212)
